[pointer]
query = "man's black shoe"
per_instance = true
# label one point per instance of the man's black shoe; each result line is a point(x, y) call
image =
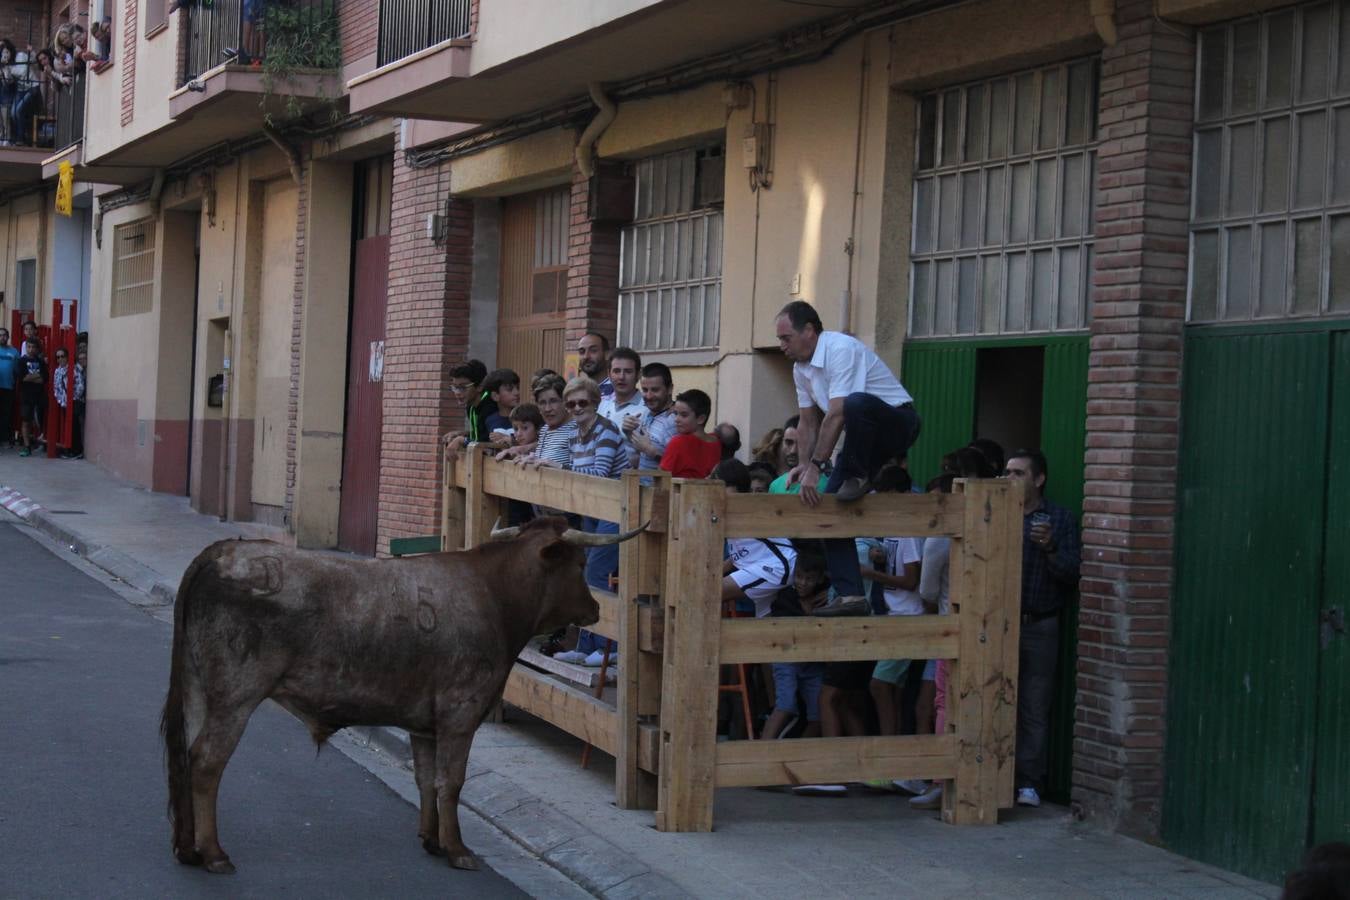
point(853, 489)
point(845, 606)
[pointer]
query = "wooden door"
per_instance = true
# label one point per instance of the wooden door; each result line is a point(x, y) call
point(531, 319)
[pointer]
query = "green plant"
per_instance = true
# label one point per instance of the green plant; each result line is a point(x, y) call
point(298, 37)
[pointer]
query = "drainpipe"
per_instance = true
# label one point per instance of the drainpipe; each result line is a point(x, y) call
point(156, 189)
point(603, 119)
point(287, 149)
point(1104, 20)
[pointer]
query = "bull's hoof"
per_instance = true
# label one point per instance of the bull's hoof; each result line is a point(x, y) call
point(432, 847)
point(464, 860)
point(188, 856)
point(220, 867)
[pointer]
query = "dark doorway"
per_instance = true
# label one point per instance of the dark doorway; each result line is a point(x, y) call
point(1008, 402)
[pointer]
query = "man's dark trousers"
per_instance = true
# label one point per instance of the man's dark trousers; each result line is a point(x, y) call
point(874, 433)
point(1037, 658)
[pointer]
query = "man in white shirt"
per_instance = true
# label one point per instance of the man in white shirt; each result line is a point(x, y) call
point(624, 365)
point(842, 388)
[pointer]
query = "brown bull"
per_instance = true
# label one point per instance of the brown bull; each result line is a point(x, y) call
point(424, 643)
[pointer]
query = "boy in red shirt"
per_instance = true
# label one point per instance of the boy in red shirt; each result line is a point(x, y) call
point(692, 452)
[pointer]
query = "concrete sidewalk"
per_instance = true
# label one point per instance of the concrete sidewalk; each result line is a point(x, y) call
point(525, 776)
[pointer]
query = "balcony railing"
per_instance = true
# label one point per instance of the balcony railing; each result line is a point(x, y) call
point(69, 112)
point(299, 34)
point(408, 26)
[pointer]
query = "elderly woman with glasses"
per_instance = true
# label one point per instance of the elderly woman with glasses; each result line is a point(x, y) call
point(597, 449)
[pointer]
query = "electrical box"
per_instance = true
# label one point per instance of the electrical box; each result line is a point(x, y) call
point(750, 152)
point(611, 195)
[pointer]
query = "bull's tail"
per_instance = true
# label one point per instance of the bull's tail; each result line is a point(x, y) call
point(173, 724)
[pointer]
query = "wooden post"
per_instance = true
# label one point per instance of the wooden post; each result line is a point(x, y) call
point(452, 504)
point(1006, 607)
point(690, 667)
point(633, 788)
point(981, 693)
point(481, 510)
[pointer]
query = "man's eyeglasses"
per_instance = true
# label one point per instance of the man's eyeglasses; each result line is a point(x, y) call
point(459, 388)
point(577, 404)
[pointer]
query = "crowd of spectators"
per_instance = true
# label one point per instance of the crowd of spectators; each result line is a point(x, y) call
point(31, 379)
point(850, 438)
point(34, 79)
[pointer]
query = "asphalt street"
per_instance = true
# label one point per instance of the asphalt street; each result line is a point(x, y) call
point(82, 791)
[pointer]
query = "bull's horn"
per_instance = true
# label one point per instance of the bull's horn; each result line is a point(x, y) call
point(502, 534)
point(586, 539)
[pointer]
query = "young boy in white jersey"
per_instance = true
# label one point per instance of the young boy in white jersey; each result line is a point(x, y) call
point(756, 569)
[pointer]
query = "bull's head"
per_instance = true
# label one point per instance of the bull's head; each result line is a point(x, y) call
point(564, 597)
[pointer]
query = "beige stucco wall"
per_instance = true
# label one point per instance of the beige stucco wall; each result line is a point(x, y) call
point(156, 78)
point(280, 198)
point(510, 30)
point(533, 162)
point(23, 222)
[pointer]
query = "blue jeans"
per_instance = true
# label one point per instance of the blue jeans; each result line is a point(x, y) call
point(601, 562)
point(874, 434)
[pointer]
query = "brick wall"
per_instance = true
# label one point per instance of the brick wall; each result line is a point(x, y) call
point(130, 31)
point(592, 269)
point(1138, 308)
point(426, 331)
point(297, 336)
point(24, 23)
point(358, 28)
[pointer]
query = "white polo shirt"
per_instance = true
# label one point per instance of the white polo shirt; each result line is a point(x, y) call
point(610, 408)
point(844, 365)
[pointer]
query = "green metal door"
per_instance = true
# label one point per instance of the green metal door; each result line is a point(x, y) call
point(1331, 772)
point(1063, 432)
point(1243, 678)
point(941, 379)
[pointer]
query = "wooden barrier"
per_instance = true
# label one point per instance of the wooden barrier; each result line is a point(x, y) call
point(666, 616)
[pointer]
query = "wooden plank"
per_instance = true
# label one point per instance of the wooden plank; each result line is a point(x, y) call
point(834, 760)
point(609, 625)
point(808, 639)
point(572, 709)
point(1007, 604)
point(689, 695)
point(452, 504)
point(784, 515)
point(582, 676)
point(599, 498)
point(412, 546)
point(651, 627)
point(481, 508)
point(979, 685)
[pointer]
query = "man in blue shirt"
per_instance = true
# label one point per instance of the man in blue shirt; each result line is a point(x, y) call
point(1050, 555)
point(9, 360)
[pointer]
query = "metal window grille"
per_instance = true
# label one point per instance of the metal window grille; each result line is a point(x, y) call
point(1270, 197)
point(409, 26)
point(133, 268)
point(670, 271)
point(548, 288)
point(1003, 204)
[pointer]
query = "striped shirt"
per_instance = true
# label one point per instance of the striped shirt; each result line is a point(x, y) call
point(659, 429)
point(555, 444)
point(599, 451)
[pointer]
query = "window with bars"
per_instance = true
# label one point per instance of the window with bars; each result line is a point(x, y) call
point(1270, 209)
point(133, 268)
point(25, 282)
point(1003, 204)
point(548, 290)
point(670, 270)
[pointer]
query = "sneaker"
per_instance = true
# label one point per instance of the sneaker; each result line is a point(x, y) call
point(1027, 796)
point(853, 489)
point(915, 786)
point(575, 657)
point(25, 452)
point(929, 799)
point(820, 790)
point(845, 606)
point(597, 659)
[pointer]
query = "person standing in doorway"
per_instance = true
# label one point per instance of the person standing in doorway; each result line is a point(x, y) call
point(843, 389)
point(1050, 555)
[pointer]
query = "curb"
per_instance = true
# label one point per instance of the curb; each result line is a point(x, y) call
point(582, 855)
point(157, 591)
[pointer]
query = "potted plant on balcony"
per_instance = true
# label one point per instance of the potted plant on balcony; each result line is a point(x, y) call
point(298, 39)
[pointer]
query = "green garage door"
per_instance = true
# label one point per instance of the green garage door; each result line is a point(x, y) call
point(942, 377)
point(1258, 744)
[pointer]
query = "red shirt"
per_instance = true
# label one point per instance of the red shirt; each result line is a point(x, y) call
point(689, 456)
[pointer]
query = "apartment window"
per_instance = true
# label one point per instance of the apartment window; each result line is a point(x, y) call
point(1270, 209)
point(1003, 204)
point(133, 268)
point(156, 15)
point(25, 283)
point(670, 278)
point(548, 275)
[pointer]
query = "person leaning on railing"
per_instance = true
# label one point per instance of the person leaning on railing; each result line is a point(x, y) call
point(39, 99)
point(13, 77)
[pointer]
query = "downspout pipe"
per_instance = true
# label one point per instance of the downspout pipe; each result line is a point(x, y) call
point(287, 149)
point(603, 119)
point(156, 189)
point(1104, 20)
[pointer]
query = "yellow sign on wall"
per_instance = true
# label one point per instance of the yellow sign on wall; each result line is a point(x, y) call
point(65, 184)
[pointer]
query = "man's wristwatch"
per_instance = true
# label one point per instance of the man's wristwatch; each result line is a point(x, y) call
point(823, 465)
